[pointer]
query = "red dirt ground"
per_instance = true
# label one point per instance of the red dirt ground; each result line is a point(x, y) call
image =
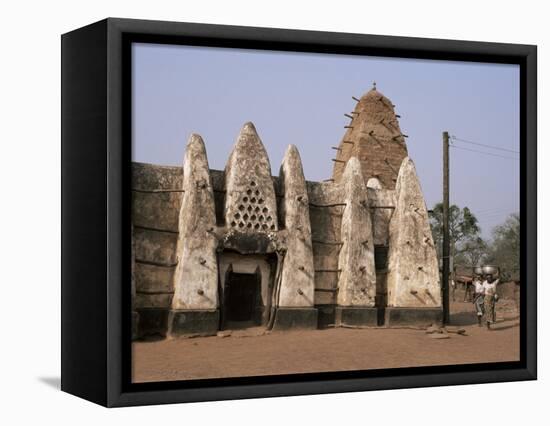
point(253, 353)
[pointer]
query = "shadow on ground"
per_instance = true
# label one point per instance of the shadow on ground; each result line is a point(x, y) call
point(463, 318)
point(499, 327)
point(54, 382)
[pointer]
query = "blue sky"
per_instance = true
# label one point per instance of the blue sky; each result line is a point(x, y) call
point(301, 98)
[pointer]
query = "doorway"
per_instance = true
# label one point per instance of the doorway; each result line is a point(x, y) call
point(242, 300)
point(381, 265)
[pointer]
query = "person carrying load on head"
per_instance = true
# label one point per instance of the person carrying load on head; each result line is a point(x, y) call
point(491, 296)
point(479, 298)
point(468, 291)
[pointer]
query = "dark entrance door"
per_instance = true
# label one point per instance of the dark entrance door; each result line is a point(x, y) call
point(242, 300)
point(381, 265)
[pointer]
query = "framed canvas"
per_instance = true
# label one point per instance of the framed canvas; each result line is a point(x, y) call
point(255, 212)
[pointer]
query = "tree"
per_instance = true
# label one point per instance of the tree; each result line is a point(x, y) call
point(505, 247)
point(463, 232)
point(472, 252)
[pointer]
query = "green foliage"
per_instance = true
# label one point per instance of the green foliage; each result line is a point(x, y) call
point(472, 252)
point(467, 246)
point(504, 250)
point(463, 229)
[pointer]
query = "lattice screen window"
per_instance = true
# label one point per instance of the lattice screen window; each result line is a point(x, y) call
point(252, 214)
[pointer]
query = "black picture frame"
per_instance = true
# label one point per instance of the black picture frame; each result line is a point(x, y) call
point(96, 125)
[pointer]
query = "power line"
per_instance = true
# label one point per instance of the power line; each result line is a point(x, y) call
point(492, 209)
point(485, 145)
point(492, 214)
point(501, 209)
point(482, 152)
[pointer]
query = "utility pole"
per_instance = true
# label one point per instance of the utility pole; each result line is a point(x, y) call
point(446, 239)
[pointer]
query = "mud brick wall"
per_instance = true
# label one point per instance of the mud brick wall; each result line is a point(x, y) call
point(325, 214)
point(156, 200)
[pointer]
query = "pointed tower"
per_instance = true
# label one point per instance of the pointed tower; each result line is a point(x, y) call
point(298, 275)
point(414, 293)
point(250, 203)
point(357, 277)
point(374, 137)
point(195, 300)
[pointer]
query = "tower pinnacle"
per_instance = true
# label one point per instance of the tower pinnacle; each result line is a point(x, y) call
point(374, 137)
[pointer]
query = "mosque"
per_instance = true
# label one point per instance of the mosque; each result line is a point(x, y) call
point(222, 250)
